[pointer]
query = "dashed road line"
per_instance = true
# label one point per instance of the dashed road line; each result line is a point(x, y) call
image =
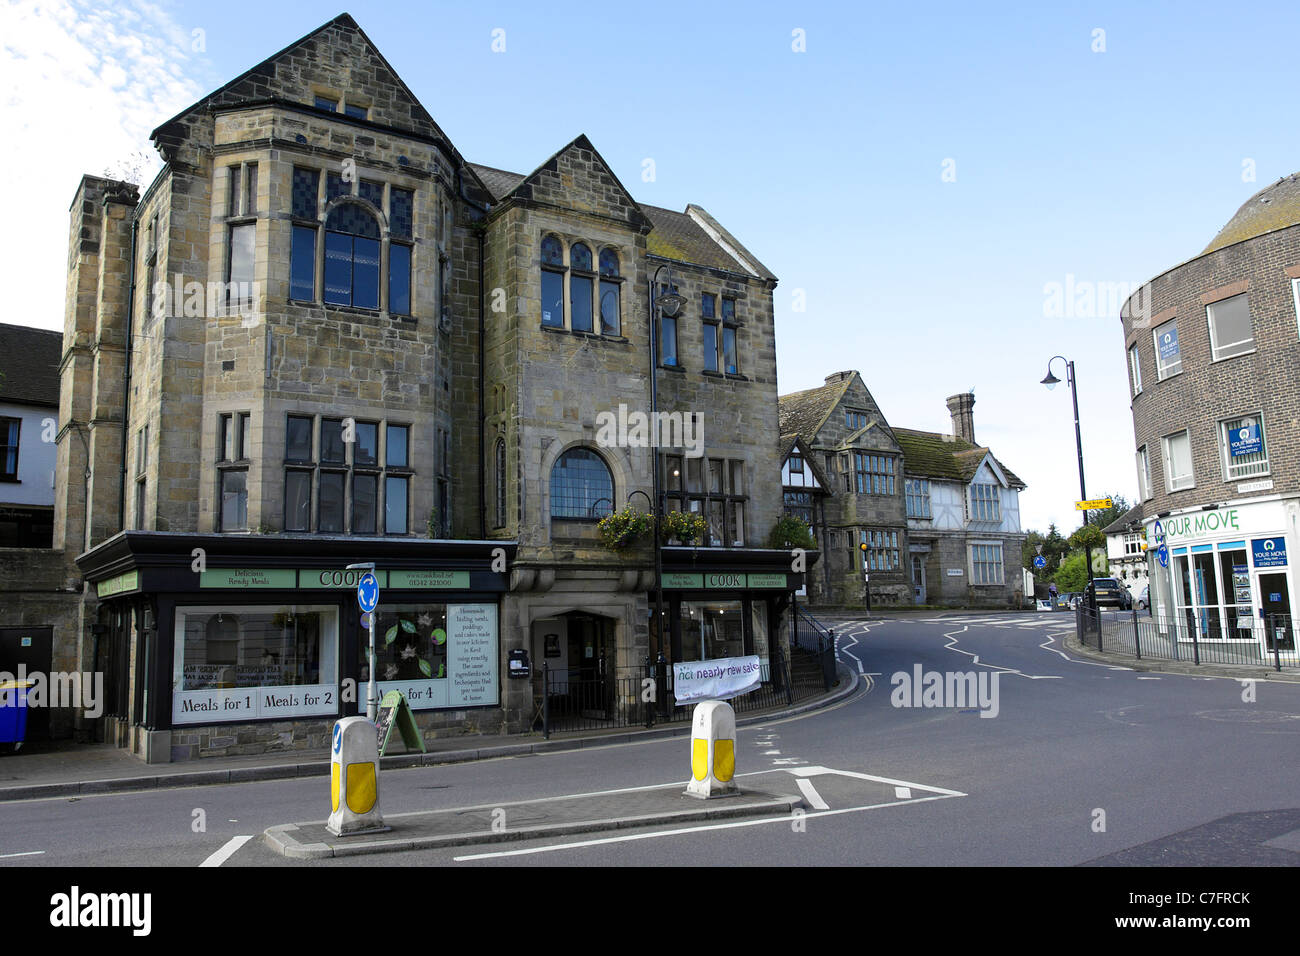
point(6, 856)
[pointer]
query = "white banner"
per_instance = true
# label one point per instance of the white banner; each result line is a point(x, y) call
point(716, 680)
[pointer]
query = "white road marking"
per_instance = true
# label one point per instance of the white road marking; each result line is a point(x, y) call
point(1075, 660)
point(226, 852)
point(816, 771)
point(787, 761)
point(769, 753)
point(6, 856)
point(903, 793)
point(1148, 678)
point(811, 795)
point(975, 659)
point(699, 829)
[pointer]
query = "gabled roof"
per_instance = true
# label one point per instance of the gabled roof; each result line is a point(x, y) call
point(787, 444)
point(1130, 520)
point(693, 236)
point(804, 413)
point(29, 365)
point(258, 84)
point(946, 457)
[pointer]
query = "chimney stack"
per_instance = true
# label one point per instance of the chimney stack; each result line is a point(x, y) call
point(962, 408)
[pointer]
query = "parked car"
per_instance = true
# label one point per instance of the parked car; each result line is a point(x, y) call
point(1144, 599)
point(1111, 593)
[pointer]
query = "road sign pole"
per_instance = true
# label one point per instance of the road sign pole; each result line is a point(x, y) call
point(372, 694)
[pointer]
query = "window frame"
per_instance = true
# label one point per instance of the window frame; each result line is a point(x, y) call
point(980, 502)
point(1162, 370)
point(917, 489)
point(1215, 347)
point(1225, 450)
point(1171, 484)
point(1145, 490)
point(974, 558)
point(869, 473)
point(691, 491)
point(590, 517)
point(1135, 370)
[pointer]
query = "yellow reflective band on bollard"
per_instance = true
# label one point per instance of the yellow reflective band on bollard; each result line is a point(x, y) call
point(334, 787)
point(699, 758)
point(361, 787)
point(724, 759)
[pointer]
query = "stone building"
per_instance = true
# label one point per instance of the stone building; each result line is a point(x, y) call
point(347, 344)
point(1126, 551)
point(939, 514)
point(846, 433)
point(1213, 356)
point(963, 516)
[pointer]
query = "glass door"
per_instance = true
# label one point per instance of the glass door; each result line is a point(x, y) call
point(1276, 601)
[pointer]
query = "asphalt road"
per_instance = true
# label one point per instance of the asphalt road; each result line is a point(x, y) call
point(1077, 763)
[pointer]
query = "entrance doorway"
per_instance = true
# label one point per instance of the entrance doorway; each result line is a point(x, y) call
point(918, 578)
point(1276, 599)
point(33, 648)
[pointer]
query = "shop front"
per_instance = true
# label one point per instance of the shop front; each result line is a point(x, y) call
point(1225, 576)
point(219, 645)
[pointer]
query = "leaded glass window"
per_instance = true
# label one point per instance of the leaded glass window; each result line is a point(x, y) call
point(581, 486)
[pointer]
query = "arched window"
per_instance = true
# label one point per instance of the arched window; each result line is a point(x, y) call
point(501, 482)
point(352, 257)
point(581, 485)
point(552, 282)
point(611, 322)
point(580, 287)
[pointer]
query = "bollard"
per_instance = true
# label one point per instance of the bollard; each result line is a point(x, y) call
point(354, 779)
point(713, 751)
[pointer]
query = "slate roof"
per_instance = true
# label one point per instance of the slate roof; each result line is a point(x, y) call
point(804, 413)
point(934, 455)
point(29, 365)
point(1130, 520)
point(1273, 207)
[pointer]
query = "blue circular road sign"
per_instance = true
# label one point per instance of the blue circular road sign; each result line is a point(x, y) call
point(1163, 554)
point(367, 592)
point(1040, 562)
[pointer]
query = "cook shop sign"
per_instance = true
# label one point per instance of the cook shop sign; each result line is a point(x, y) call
point(716, 680)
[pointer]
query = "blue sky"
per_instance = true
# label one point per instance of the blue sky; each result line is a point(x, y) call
point(1103, 157)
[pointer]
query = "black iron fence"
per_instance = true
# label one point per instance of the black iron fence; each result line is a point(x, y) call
point(800, 664)
point(1267, 642)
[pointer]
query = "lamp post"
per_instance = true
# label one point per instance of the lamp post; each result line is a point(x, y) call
point(1051, 381)
point(670, 304)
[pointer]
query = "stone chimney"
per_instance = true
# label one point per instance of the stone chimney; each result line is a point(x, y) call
point(839, 376)
point(962, 408)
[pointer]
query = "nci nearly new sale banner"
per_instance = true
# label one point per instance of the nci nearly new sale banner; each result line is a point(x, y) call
point(716, 680)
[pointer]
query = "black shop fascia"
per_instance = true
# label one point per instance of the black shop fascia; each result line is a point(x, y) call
point(234, 629)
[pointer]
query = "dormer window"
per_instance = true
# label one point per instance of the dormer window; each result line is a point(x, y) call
point(985, 503)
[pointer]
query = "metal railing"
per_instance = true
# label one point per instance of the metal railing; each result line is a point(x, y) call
point(1270, 642)
point(606, 697)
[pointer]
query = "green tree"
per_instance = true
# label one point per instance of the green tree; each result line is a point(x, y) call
point(1090, 535)
point(1071, 576)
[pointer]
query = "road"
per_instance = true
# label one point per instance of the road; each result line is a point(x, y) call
point(1064, 761)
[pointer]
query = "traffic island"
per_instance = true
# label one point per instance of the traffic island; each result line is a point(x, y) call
point(525, 820)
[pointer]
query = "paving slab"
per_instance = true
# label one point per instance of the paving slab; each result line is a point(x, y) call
point(527, 820)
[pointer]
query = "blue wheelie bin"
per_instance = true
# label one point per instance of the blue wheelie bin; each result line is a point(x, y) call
point(13, 712)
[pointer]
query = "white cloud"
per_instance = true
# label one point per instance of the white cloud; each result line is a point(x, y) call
point(84, 85)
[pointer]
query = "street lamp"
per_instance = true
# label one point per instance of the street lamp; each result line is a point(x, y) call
point(1051, 381)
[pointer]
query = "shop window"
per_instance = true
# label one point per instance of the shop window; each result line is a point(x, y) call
point(582, 487)
point(1168, 354)
point(1178, 461)
point(1244, 452)
point(712, 630)
point(229, 661)
point(1231, 332)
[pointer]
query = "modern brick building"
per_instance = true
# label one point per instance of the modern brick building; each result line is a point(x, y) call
point(1213, 355)
point(322, 337)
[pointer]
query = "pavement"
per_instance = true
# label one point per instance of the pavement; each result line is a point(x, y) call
point(61, 769)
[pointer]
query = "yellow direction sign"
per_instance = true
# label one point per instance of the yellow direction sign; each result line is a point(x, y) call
point(1096, 504)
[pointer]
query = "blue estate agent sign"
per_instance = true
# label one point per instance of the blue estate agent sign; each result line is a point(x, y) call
point(1269, 552)
point(1169, 344)
point(367, 592)
point(1245, 440)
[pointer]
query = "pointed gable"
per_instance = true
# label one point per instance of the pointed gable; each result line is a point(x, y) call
point(576, 178)
point(335, 60)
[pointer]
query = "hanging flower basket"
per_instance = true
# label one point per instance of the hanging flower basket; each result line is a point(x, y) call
point(622, 529)
point(685, 526)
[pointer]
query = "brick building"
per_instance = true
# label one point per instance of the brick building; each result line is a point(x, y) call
point(346, 343)
point(1213, 357)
